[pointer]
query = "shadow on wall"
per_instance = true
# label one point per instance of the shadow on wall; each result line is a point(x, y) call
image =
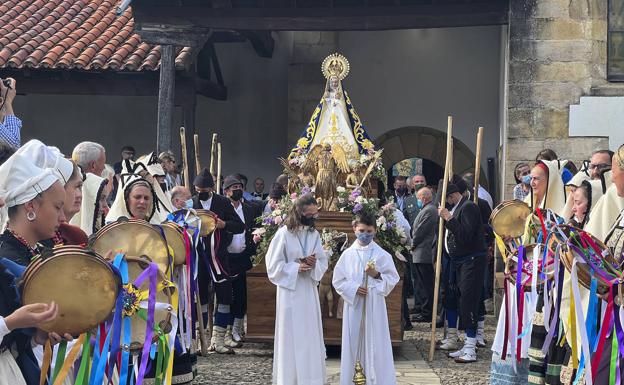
point(426, 143)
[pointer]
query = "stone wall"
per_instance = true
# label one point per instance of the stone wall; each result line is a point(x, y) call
point(557, 53)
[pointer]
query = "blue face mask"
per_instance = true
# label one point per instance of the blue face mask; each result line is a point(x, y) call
point(526, 179)
point(420, 204)
point(189, 203)
point(365, 238)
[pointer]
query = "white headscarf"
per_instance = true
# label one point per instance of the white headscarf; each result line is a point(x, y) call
point(554, 198)
point(92, 189)
point(48, 157)
point(605, 211)
point(21, 181)
point(152, 165)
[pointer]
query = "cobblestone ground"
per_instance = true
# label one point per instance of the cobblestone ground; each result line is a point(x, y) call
point(252, 364)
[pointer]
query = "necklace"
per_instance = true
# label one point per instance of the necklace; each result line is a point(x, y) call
point(21, 240)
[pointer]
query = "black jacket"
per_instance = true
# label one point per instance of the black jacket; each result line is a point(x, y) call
point(222, 207)
point(14, 250)
point(465, 230)
point(237, 263)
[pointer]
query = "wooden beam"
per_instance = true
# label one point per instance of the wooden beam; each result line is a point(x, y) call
point(183, 36)
point(261, 41)
point(322, 19)
point(45, 82)
point(166, 92)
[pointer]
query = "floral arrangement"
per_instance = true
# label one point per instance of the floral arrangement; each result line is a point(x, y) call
point(390, 235)
point(334, 243)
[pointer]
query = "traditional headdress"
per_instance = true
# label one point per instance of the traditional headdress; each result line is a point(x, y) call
point(48, 157)
point(554, 197)
point(89, 218)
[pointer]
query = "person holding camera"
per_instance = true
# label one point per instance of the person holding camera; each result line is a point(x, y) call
point(10, 125)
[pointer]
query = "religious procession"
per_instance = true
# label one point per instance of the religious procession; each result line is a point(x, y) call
point(466, 239)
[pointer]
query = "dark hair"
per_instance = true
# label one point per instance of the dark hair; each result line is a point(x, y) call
point(607, 152)
point(366, 219)
point(127, 148)
point(132, 185)
point(571, 167)
point(400, 178)
point(518, 166)
point(546, 154)
point(293, 220)
point(12, 211)
point(242, 178)
point(5, 152)
point(586, 187)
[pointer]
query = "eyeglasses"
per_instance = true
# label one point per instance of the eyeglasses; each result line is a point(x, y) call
point(599, 165)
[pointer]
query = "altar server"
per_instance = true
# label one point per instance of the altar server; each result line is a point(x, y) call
point(296, 263)
point(364, 275)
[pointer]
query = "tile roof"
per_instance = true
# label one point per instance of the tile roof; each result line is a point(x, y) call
point(75, 34)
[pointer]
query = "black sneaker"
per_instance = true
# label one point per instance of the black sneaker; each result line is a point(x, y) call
point(408, 326)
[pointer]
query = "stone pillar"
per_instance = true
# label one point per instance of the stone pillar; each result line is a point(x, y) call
point(305, 80)
point(557, 53)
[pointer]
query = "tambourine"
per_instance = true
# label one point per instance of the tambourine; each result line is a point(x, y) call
point(162, 318)
point(174, 235)
point(133, 238)
point(204, 219)
point(81, 282)
point(508, 219)
point(597, 257)
point(511, 267)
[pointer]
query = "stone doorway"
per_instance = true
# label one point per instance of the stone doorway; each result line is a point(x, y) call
point(428, 144)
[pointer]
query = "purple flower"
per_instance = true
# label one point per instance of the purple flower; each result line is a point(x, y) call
point(357, 208)
point(267, 221)
point(306, 190)
point(390, 225)
point(355, 193)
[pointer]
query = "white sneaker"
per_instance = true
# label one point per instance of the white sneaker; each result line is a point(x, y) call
point(450, 344)
point(457, 353)
point(468, 353)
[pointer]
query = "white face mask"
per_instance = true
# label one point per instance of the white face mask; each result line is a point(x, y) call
point(188, 203)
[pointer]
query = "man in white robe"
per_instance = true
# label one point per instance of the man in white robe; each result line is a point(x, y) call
point(296, 263)
point(365, 257)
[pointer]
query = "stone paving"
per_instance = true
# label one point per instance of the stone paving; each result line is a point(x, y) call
point(253, 363)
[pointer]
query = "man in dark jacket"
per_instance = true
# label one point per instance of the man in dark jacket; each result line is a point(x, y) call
point(465, 247)
point(213, 258)
point(423, 233)
point(240, 251)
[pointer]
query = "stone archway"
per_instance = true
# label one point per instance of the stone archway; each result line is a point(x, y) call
point(427, 143)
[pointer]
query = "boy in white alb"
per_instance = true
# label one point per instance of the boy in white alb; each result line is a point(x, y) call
point(364, 275)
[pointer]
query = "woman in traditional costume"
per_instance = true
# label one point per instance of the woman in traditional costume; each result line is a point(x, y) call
point(547, 192)
point(34, 206)
point(94, 205)
point(71, 177)
point(296, 263)
point(135, 200)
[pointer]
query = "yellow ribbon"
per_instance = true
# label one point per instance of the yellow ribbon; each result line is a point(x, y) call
point(69, 361)
point(47, 361)
point(572, 328)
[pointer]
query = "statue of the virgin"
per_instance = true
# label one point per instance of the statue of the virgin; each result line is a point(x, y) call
point(334, 120)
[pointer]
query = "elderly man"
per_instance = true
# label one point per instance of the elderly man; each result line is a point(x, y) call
point(599, 162)
point(423, 233)
point(181, 198)
point(90, 156)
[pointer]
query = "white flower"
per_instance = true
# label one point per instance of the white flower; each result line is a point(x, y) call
point(341, 189)
point(277, 212)
point(360, 199)
point(383, 227)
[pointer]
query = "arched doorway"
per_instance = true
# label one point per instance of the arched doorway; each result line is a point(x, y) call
point(428, 144)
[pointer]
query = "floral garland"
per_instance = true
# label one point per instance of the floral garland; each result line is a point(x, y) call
point(390, 235)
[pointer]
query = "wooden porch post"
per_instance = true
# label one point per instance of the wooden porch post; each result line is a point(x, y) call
point(188, 111)
point(166, 92)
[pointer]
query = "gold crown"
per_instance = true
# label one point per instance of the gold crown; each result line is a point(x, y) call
point(335, 65)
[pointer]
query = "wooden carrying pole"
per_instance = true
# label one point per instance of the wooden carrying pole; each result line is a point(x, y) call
point(447, 176)
point(197, 161)
point(218, 168)
point(477, 166)
point(213, 153)
point(202, 331)
point(185, 166)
